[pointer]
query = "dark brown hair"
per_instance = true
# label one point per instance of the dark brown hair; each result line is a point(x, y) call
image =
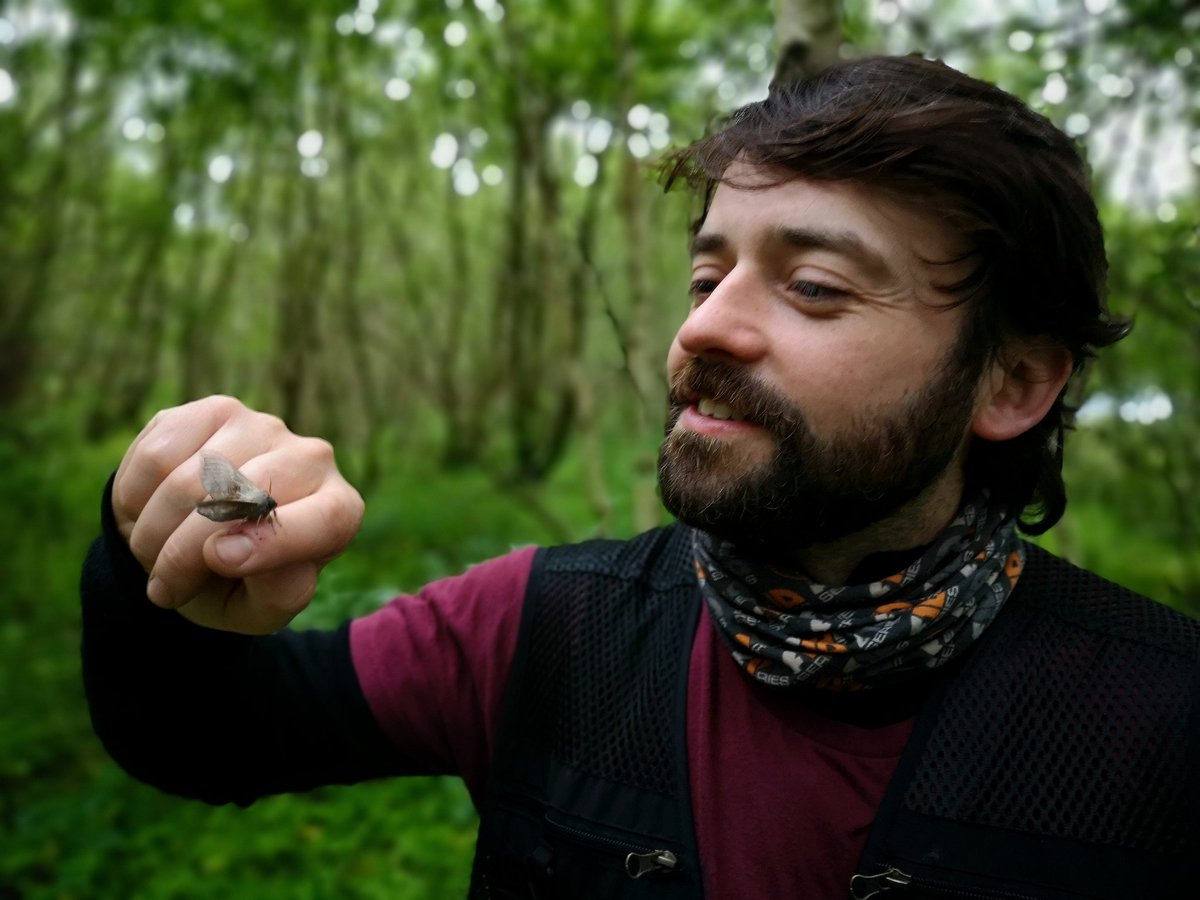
point(978, 159)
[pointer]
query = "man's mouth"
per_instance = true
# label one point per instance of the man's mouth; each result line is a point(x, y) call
point(715, 409)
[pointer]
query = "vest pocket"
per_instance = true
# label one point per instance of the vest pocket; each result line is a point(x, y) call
point(531, 855)
point(907, 882)
point(639, 857)
point(590, 860)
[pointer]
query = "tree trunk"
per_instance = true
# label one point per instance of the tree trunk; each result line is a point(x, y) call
point(808, 35)
point(643, 357)
point(20, 308)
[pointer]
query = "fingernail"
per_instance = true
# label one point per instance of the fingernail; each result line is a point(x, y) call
point(234, 549)
point(158, 594)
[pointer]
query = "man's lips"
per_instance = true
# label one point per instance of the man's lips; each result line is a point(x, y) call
point(720, 393)
point(716, 409)
point(710, 406)
point(706, 416)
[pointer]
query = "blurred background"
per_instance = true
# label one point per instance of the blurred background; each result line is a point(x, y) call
point(431, 232)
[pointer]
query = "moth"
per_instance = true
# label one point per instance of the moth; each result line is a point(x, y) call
point(233, 495)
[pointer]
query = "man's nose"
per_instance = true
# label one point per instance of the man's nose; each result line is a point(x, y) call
point(731, 322)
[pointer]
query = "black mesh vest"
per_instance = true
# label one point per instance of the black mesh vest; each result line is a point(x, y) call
point(1061, 761)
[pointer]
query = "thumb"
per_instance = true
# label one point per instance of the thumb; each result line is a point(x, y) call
point(232, 552)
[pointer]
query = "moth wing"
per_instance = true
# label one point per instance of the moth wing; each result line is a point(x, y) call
point(225, 510)
point(224, 482)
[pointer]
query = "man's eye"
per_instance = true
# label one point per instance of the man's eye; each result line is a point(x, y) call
point(811, 290)
point(702, 287)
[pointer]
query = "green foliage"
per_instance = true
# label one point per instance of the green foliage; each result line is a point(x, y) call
point(1134, 484)
point(72, 825)
point(487, 361)
point(120, 839)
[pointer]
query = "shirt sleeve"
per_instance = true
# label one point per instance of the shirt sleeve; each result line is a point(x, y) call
point(434, 666)
point(229, 718)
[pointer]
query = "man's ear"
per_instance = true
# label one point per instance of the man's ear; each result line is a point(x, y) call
point(1019, 387)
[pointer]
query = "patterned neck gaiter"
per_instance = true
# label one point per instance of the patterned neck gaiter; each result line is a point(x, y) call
point(784, 629)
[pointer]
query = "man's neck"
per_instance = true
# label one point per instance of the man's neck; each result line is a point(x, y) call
point(915, 524)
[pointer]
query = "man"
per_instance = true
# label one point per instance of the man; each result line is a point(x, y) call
point(842, 674)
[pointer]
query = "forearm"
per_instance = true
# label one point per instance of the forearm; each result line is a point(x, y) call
point(213, 715)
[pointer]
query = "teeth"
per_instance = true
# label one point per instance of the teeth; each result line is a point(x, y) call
point(715, 409)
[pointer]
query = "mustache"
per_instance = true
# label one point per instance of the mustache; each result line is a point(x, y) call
point(733, 385)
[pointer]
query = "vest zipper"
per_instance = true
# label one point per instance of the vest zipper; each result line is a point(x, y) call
point(640, 861)
point(656, 861)
point(863, 887)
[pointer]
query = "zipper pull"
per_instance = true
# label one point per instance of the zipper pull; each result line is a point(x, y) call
point(864, 886)
point(654, 862)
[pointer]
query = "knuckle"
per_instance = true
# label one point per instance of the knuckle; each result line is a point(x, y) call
point(357, 507)
point(217, 408)
point(156, 458)
point(223, 404)
point(344, 513)
point(270, 424)
point(319, 450)
point(156, 420)
point(122, 503)
point(173, 560)
point(143, 549)
point(247, 420)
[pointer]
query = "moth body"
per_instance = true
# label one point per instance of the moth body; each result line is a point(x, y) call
point(233, 496)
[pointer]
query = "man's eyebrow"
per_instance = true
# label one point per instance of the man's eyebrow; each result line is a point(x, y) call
point(711, 242)
point(844, 243)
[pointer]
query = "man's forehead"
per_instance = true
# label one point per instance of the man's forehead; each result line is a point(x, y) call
point(750, 199)
point(795, 212)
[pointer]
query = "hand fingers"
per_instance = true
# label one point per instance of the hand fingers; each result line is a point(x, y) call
point(243, 576)
point(260, 604)
point(168, 536)
point(167, 442)
point(312, 528)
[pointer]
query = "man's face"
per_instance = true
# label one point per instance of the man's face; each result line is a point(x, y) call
point(818, 383)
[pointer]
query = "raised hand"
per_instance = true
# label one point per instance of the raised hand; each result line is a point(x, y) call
point(243, 576)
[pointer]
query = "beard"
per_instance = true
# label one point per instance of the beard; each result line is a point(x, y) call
point(811, 490)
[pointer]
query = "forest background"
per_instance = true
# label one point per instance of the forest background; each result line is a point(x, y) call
point(430, 232)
